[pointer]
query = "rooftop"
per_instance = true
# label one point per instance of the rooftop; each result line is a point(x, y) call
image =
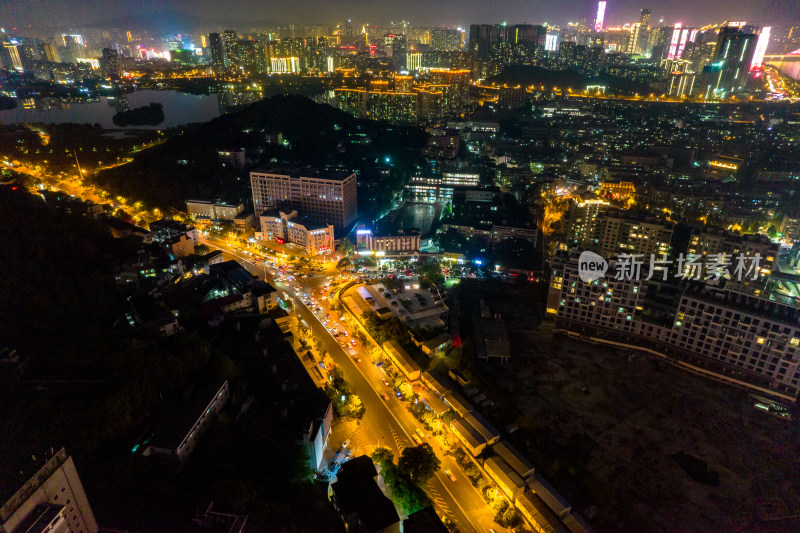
point(180, 416)
point(358, 493)
point(306, 172)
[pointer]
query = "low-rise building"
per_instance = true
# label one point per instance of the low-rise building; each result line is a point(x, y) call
point(359, 500)
point(518, 462)
point(504, 476)
point(538, 515)
point(183, 423)
point(550, 496)
point(458, 403)
point(402, 360)
point(167, 229)
point(314, 239)
point(208, 210)
point(424, 521)
point(244, 221)
point(433, 345)
point(405, 242)
point(501, 232)
point(232, 156)
point(438, 384)
point(474, 432)
point(179, 246)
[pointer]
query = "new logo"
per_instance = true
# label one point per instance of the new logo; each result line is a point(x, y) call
point(591, 266)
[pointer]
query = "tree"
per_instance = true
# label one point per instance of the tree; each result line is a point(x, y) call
point(343, 264)
point(510, 517)
point(419, 463)
point(383, 456)
point(500, 509)
point(431, 273)
point(772, 232)
point(346, 246)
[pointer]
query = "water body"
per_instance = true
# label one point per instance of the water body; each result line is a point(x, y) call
point(414, 215)
point(179, 108)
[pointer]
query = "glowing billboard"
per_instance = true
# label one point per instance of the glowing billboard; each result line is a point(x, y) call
point(598, 21)
point(761, 48)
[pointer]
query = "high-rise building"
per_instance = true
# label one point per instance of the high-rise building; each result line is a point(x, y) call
point(644, 17)
point(321, 197)
point(14, 56)
point(413, 62)
point(601, 12)
point(229, 37)
point(51, 500)
point(109, 63)
point(551, 41)
point(633, 41)
point(728, 72)
point(219, 59)
point(585, 219)
point(400, 52)
point(443, 39)
point(391, 106)
point(50, 53)
point(677, 43)
point(761, 47)
point(481, 38)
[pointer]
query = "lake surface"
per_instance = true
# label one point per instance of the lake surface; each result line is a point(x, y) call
point(420, 216)
point(179, 108)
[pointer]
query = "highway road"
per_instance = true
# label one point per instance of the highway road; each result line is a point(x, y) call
point(386, 422)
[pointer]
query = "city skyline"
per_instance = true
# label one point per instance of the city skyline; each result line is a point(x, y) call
point(41, 14)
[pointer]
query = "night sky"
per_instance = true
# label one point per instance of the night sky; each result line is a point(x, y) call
point(58, 13)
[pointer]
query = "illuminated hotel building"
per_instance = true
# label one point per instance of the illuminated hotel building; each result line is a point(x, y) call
point(321, 197)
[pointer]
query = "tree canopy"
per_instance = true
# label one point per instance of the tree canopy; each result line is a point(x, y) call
point(419, 463)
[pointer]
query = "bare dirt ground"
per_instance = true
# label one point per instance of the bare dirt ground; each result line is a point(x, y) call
point(602, 423)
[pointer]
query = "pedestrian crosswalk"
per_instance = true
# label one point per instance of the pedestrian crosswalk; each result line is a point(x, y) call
point(439, 502)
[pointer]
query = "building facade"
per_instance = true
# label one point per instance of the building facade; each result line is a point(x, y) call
point(282, 227)
point(322, 197)
point(404, 242)
point(738, 338)
point(53, 498)
point(208, 210)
